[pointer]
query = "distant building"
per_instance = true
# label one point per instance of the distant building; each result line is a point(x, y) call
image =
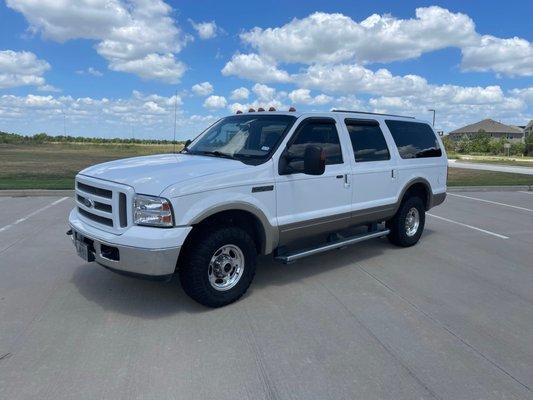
point(494, 129)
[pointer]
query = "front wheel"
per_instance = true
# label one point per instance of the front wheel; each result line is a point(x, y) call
point(219, 266)
point(407, 225)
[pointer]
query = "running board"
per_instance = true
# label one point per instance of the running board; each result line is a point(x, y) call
point(291, 257)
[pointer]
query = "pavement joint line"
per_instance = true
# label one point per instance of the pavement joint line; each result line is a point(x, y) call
point(445, 327)
point(18, 221)
point(491, 202)
point(469, 226)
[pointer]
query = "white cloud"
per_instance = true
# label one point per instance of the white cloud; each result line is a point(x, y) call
point(507, 56)
point(22, 68)
point(139, 37)
point(256, 68)
point(90, 71)
point(202, 89)
point(151, 115)
point(205, 30)
point(215, 102)
point(303, 96)
point(327, 38)
point(525, 94)
point(240, 94)
point(264, 92)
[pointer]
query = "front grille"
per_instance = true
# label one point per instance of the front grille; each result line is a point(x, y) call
point(96, 218)
point(103, 203)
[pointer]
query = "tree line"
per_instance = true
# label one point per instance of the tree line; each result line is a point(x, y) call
point(40, 138)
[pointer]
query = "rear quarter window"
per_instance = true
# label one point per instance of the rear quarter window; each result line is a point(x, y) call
point(414, 139)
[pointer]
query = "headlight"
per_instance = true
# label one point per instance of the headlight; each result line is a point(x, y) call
point(152, 211)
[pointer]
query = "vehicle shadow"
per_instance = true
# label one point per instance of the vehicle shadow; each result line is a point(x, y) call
point(136, 297)
point(153, 300)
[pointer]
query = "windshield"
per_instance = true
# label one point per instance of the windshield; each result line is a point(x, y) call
point(249, 138)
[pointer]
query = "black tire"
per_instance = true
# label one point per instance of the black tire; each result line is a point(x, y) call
point(398, 229)
point(194, 267)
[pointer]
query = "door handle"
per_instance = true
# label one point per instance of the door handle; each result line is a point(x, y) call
point(346, 181)
point(339, 176)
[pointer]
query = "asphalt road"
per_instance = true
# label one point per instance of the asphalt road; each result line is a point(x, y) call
point(451, 318)
point(492, 167)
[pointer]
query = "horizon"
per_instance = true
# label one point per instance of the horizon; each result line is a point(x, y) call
point(120, 68)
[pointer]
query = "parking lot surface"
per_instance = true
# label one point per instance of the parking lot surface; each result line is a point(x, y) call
point(451, 318)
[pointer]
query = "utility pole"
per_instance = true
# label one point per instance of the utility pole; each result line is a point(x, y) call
point(64, 122)
point(175, 119)
point(432, 110)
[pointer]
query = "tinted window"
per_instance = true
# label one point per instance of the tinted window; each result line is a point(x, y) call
point(368, 142)
point(414, 139)
point(320, 133)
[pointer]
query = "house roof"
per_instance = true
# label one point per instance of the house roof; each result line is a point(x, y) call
point(489, 126)
point(529, 125)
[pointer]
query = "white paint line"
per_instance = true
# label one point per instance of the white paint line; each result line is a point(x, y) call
point(522, 191)
point(469, 226)
point(18, 221)
point(491, 202)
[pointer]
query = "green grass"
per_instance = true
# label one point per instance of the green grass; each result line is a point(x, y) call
point(472, 177)
point(54, 165)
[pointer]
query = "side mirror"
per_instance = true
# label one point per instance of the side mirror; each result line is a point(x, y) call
point(187, 143)
point(314, 160)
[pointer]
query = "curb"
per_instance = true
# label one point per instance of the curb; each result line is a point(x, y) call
point(524, 188)
point(35, 193)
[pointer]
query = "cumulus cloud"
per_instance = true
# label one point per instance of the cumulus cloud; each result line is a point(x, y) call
point(152, 116)
point(303, 96)
point(205, 30)
point(202, 89)
point(90, 71)
point(22, 68)
point(240, 94)
point(506, 56)
point(256, 68)
point(138, 37)
point(328, 38)
point(214, 102)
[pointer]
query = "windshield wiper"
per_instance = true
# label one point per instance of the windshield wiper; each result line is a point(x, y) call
point(216, 153)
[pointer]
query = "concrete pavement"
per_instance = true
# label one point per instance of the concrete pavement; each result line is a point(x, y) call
point(492, 167)
point(447, 319)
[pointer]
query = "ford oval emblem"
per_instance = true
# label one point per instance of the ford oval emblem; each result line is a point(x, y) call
point(88, 203)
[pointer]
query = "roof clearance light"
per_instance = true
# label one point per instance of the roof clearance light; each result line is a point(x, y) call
point(271, 109)
point(260, 109)
point(292, 109)
point(238, 112)
point(251, 110)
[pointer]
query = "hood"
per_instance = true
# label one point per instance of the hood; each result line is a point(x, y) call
point(152, 174)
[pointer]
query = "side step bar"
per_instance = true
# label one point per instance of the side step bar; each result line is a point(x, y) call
point(291, 257)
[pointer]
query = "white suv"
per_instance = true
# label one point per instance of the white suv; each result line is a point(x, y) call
point(258, 183)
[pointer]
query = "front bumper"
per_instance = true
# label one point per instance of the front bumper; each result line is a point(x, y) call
point(141, 250)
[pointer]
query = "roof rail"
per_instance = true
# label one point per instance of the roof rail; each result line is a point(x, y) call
point(372, 113)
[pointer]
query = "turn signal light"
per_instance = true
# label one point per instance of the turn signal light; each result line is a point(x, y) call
point(292, 109)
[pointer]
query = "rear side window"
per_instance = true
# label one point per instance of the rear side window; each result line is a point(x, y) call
point(367, 140)
point(414, 139)
point(320, 133)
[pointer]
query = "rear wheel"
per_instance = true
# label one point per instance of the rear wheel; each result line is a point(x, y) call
point(407, 225)
point(218, 266)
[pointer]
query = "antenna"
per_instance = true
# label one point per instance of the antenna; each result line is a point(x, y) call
point(175, 118)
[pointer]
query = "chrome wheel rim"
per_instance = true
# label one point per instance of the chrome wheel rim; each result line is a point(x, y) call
point(412, 222)
point(226, 267)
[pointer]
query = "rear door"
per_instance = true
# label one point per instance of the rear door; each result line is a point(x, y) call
point(308, 204)
point(373, 177)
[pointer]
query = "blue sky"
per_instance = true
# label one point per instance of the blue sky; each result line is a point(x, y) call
point(112, 68)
